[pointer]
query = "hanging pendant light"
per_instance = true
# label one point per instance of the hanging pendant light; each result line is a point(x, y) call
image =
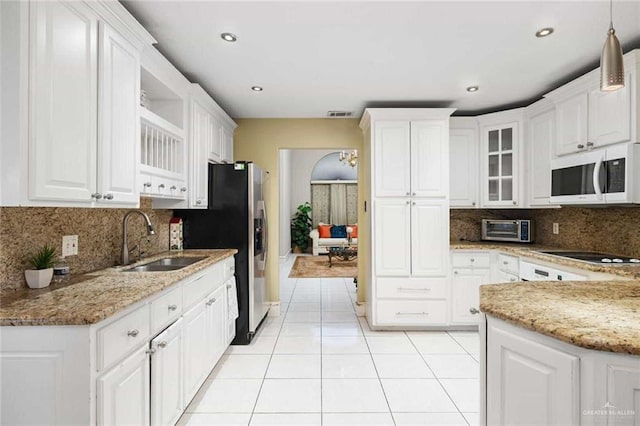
point(611, 65)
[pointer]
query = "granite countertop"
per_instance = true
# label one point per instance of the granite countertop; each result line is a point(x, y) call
point(92, 297)
point(600, 315)
point(531, 251)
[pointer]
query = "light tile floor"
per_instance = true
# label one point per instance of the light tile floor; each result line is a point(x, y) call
point(319, 364)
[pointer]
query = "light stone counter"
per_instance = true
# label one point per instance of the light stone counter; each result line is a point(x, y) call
point(95, 296)
point(599, 315)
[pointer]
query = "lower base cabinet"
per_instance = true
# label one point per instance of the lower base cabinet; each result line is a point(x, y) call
point(124, 393)
point(465, 296)
point(167, 363)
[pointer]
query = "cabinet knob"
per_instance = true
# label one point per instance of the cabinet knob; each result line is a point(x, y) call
point(150, 351)
point(133, 333)
point(408, 202)
point(589, 144)
point(414, 194)
point(211, 301)
point(455, 272)
point(473, 311)
point(161, 186)
point(472, 259)
point(473, 204)
point(514, 203)
point(173, 307)
point(96, 195)
point(228, 285)
point(173, 188)
point(505, 263)
point(183, 189)
point(580, 146)
point(408, 193)
point(147, 184)
point(162, 344)
point(198, 202)
point(108, 196)
point(414, 203)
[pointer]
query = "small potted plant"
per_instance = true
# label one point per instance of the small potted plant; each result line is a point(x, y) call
point(300, 228)
point(42, 262)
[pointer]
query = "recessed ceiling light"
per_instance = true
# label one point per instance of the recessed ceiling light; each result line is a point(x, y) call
point(228, 37)
point(544, 32)
point(257, 88)
point(472, 88)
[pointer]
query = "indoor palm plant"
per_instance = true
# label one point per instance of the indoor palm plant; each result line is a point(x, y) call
point(42, 272)
point(301, 226)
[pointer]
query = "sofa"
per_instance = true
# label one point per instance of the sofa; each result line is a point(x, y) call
point(321, 245)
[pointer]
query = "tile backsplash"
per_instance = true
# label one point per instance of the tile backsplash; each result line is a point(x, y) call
point(612, 229)
point(26, 229)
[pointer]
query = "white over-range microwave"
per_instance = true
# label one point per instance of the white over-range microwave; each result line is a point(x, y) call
point(601, 176)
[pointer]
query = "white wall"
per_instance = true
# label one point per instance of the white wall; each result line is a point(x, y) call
point(285, 202)
point(302, 162)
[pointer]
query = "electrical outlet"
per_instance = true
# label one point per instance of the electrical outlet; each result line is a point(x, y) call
point(556, 228)
point(69, 245)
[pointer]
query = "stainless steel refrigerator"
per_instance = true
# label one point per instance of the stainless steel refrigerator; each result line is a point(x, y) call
point(235, 218)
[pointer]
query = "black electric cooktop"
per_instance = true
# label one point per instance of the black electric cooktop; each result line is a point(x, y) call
point(595, 257)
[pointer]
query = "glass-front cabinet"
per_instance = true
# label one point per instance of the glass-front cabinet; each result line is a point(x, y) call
point(500, 177)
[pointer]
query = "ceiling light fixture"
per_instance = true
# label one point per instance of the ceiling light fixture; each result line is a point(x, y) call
point(350, 158)
point(257, 88)
point(611, 65)
point(544, 32)
point(228, 37)
point(472, 89)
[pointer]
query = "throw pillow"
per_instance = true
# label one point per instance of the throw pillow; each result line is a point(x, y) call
point(354, 232)
point(324, 231)
point(339, 231)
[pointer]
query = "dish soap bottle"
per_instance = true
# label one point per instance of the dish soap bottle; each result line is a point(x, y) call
point(61, 271)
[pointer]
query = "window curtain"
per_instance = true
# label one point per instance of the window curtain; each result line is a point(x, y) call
point(338, 204)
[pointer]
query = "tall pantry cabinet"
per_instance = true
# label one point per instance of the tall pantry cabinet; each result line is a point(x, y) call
point(406, 254)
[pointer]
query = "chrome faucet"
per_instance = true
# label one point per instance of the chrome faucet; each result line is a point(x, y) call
point(125, 248)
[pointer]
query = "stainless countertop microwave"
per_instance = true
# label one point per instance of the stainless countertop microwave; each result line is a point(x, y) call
point(510, 230)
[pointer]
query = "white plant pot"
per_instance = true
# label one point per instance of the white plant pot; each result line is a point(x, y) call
point(38, 278)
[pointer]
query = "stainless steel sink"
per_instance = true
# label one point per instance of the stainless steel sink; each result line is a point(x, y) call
point(166, 264)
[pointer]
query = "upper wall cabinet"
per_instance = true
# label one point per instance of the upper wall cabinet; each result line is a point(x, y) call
point(463, 162)
point(500, 155)
point(587, 117)
point(540, 136)
point(71, 140)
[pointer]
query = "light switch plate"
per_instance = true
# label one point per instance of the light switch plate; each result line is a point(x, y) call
point(69, 245)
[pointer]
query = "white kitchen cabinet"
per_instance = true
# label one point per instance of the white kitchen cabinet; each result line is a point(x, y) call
point(217, 323)
point(392, 159)
point(540, 138)
point(463, 162)
point(470, 271)
point(196, 345)
point(167, 365)
point(505, 277)
point(610, 114)
point(500, 164)
point(215, 140)
point(528, 382)
point(227, 144)
point(63, 66)
point(231, 323)
point(118, 125)
point(429, 146)
point(124, 392)
point(429, 238)
point(572, 127)
point(392, 236)
point(200, 139)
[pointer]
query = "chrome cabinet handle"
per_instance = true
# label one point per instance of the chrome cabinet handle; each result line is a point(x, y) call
point(455, 272)
point(108, 196)
point(161, 186)
point(150, 351)
point(472, 259)
point(580, 146)
point(408, 193)
point(147, 184)
point(96, 195)
point(408, 202)
point(474, 311)
point(162, 344)
point(183, 189)
point(173, 188)
point(414, 289)
point(414, 194)
point(414, 203)
point(589, 144)
point(133, 333)
point(198, 202)
point(211, 301)
point(173, 307)
point(505, 263)
point(473, 204)
point(228, 285)
point(412, 313)
point(514, 203)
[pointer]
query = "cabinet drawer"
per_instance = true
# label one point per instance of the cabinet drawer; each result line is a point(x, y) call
point(508, 264)
point(166, 309)
point(411, 312)
point(119, 337)
point(196, 290)
point(471, 260)
point(411, 288)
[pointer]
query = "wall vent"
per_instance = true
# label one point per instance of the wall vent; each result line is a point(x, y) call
point(339, 114)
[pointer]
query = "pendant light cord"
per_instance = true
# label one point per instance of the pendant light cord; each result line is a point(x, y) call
point(610, 14)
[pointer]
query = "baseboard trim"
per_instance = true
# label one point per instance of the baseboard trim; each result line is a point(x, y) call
point(274, 309)
point(360, 309)
point(286, 257)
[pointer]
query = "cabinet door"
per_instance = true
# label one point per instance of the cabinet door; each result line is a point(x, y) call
point(200, 137)
point(541, 135)
point(215, 140)
point(528, 382)
point(623, 392)
point(196, 350)
point(227, 145)
point(123, 392)
point(501, 165)
point(166, 376)
point(63, 102)
point(119, 122)
point(430, 158)
point(465, 299)
point(429, 238)
point(391, 158)
point(571, 122)
point(610, 115)
point(392, 237)
point(505, 277)
point(217, 324)
point(231, 323)
point(463, 168)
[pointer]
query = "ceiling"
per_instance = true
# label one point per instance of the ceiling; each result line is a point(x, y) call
point(314, 56)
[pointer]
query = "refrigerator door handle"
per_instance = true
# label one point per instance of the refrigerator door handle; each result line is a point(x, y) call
point(265, 245)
